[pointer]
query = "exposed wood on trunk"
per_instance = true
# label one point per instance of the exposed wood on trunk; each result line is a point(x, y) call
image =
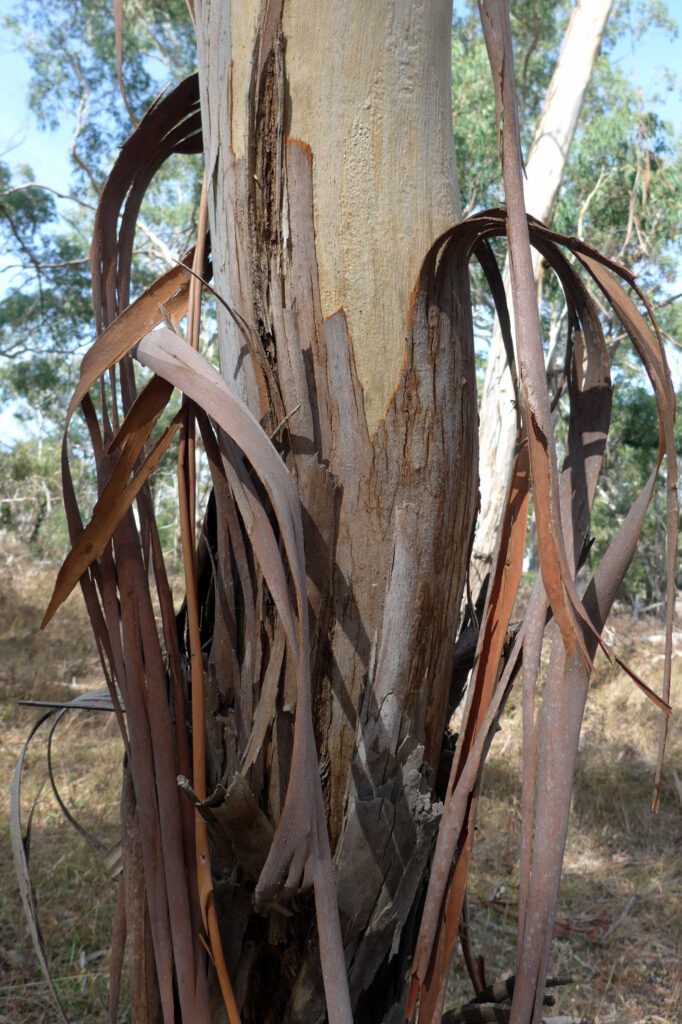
point(370, 93)
point(375, 374)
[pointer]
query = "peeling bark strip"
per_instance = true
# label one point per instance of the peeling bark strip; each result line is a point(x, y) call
point(118, 559)
point(380, 636)
point(544, 168)
point(589, 393)
point(554, 567)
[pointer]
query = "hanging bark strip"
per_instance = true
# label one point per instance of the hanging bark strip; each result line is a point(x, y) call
point(544, 167)
point(187, 510)
point(650, 348)
point(442, 928)
point(557, 578)
point(119, 602)
point(589, 393)
point(553, 740)
point(300, 856)
point(506, 575)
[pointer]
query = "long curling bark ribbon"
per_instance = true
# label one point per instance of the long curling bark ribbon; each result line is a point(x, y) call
point(580, 629)
point(557, 577)
point(438, 933)
point(563, 701)
point(115, 575)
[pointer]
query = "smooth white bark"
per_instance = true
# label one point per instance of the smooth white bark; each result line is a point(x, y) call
point(381, 195)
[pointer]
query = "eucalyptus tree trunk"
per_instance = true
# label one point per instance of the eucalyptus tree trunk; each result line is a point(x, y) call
point(330, 171)
point(544, 169)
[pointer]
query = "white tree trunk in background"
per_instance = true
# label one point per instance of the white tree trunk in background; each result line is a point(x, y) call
point(544, 169)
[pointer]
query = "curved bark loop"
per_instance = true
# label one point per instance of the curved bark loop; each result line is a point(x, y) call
point(589, 393)
point(112, 557)
point(562, 517)
point(300, 856)
point(568, 674)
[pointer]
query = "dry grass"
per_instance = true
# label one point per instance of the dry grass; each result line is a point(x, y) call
point(75, 896)
point(619, 920)
point(620, 916)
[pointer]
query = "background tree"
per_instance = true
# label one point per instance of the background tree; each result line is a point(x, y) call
point(544, 168)
point(622, 168)
point(45, 302)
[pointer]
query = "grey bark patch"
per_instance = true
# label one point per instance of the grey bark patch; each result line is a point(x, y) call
point(387, 840)
point(234, 813)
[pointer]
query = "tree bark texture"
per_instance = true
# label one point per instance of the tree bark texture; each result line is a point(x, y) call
point(545, 165)
point(330, 173)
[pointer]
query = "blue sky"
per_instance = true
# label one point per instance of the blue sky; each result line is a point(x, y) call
point(21, 142)
point(649, 61)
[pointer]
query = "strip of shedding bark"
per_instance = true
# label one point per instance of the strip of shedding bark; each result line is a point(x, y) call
point(300, 856)
point(649, 346)
point(589, 392)
point(556, 574)
point(445, 894)
point(550, 743)
point(507, 569)
point(590, 396)
point(187, 513)
point(118, 495)
point(116, 585)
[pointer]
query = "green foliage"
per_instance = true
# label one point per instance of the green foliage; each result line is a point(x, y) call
point(537, 29)
point(45, 301)
point(630, 457)
point(623, 182)
point(31, 506)
point(158, 46)
point(621, 191)
point(45, 306)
